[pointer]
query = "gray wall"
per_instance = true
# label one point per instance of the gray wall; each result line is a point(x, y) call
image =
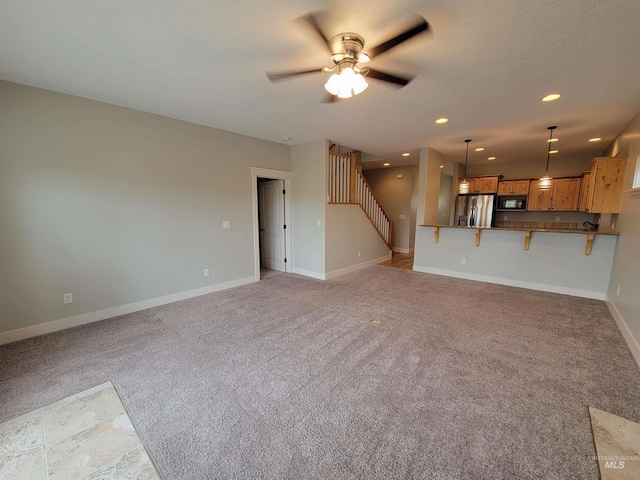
point(349, 231)
point(626, 264)
point(117, 206)
point(397, 197)
point(444, 201)
point(308, 165)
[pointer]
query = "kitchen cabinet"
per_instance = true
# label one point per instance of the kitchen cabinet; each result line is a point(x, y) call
point(563, 195)
point(488, 184)
point(513, 187)
point(585, 197)
point(606, 183)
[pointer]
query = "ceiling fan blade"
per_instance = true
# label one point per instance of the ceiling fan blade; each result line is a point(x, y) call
point(277, 76)
point(387, 77)
point(420, 27)
point(311, 21)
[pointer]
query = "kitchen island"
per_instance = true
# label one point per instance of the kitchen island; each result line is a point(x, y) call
point(568, 261)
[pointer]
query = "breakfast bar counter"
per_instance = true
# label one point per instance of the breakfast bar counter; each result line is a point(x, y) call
point(528, 231)
point(570, 261)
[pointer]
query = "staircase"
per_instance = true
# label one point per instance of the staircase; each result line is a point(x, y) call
point(347, 185)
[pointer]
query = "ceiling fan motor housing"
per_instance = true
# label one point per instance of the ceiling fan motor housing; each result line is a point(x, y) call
point(346, 46)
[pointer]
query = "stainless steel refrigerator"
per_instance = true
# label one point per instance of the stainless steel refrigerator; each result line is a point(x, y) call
point(475, 210)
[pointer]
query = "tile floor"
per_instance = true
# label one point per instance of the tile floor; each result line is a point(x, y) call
point(617, 442)
point(85, 436)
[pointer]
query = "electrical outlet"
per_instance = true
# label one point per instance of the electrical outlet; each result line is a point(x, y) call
point(618, 292)
point(557, 219)
point(506, 217)
point(67, 298)
point(463, 261)
point(317, 223)
point(206, 272)
point(226, 224)
point(358, 253)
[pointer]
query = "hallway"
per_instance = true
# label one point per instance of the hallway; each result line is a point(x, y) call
point(400, 260)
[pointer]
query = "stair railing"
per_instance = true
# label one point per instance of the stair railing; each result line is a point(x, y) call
point(347, 185)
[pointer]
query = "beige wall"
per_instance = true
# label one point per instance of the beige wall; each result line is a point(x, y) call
point(348, 232)
point(626, 263)
point(398, 197)
point(117, 206)
point(308, 164)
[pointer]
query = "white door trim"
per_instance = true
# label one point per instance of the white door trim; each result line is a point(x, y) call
point(258, 172)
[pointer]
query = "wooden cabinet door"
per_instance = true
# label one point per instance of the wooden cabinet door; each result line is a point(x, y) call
point(487, 184)
point(506, 188)
point(584, 202)
point(520, 187)
point(513, 187)
point(607, 180)
point(566, 192)
point(472, 185)
point(538, 199)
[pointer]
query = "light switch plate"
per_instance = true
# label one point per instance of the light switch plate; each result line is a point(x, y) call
point(226, 224)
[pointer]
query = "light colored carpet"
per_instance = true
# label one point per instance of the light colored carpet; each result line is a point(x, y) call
point(290, 378)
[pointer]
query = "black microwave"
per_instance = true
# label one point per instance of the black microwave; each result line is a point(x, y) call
point(512, 204)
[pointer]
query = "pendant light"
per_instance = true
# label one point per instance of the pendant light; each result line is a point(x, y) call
point(545, 182)
point(464, 185)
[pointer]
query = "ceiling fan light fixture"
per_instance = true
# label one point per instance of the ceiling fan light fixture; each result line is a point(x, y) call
point(346, 83)
point(333, 84)
point(363, 58)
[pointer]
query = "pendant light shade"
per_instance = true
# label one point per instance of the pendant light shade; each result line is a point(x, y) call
point(545, 181)
point(464, 185)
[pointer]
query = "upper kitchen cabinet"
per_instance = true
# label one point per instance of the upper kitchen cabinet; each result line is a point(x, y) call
point(585, 192)
point(487, 184)
point(563, 195)
point(606, 183)
point(513, 187)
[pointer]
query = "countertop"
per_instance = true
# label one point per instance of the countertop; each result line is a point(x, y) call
point(529, 229)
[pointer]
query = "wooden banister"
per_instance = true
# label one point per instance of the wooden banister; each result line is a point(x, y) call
point(347, 185)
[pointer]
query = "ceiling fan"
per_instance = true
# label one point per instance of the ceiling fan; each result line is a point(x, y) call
point(347, 54)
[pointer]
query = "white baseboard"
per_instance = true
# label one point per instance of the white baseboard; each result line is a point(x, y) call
point(63, 323)
point(631, 340)
point(358, 266)
point(402, 250)
point(309, 273)
point(543, 287)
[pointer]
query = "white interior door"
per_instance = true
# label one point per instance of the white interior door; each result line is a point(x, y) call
point(272, 224)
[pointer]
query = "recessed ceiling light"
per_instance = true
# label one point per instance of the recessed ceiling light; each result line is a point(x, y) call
point(551, 97)
point(386, 164)
point(595, 139)
point(552, 140)
point(442, 120)
point(553, 151)
point(479, 149)
point(491, 158)
point(286, 139)
point(406, 154)
point(441, 166)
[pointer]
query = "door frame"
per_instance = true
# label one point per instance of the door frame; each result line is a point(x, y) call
point(258, 172)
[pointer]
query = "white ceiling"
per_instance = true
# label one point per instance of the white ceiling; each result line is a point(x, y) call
point(484, 65)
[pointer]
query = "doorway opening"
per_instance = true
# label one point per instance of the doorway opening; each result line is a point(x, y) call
point(271, 221)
